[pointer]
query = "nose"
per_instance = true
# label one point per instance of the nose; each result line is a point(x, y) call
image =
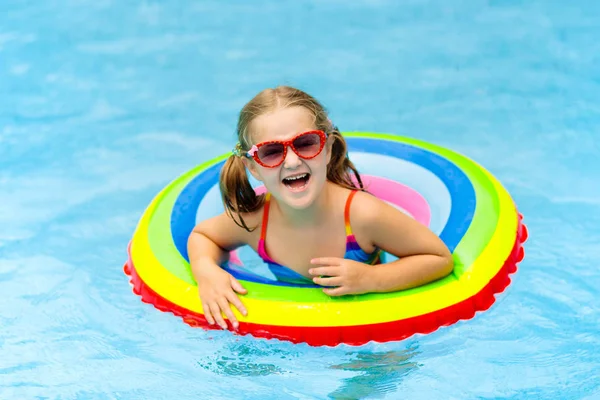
point(292, 160)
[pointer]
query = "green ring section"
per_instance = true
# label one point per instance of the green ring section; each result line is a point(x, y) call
point(475, 240)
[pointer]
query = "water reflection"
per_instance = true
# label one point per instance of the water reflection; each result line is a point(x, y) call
point(243, 359)
point(377, 374)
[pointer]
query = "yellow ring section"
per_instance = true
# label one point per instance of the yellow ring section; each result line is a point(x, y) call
point(339, 313)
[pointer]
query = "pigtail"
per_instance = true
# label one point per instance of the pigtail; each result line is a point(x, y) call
point(236, 192)
point(340, 166)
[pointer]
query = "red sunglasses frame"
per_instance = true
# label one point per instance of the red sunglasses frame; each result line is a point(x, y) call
point(253, 152)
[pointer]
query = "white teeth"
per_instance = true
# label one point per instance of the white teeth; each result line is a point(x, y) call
point(293, 178)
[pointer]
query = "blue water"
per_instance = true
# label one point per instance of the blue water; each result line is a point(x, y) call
point(103, 102)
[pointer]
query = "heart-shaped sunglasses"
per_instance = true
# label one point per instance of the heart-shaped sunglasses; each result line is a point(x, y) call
point(271, 154)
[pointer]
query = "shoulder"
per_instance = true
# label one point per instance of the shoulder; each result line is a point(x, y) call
point(252, 220)
point(228, 230)
point(366, 214)
point(366, 208)
point(390, 229)
point(375, 217)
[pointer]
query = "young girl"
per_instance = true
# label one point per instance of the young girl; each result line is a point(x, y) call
point(314, 225)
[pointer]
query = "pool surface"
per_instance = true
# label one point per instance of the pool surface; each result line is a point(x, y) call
point(104, 102)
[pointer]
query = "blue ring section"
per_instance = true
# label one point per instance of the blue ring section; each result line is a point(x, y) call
point(183, 215)
point(462, 195)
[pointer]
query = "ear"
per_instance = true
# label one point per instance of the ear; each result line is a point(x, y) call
point(251, 166)
point(329, 147)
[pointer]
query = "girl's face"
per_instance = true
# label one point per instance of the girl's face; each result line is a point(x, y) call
point(296, 182)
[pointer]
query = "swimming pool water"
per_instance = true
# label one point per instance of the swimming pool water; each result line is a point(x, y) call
point(103, 102)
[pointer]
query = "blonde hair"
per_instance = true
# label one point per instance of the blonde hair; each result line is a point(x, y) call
point(236, 192)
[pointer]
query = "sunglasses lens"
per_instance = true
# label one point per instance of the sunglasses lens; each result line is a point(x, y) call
point(270, 154)
point(308, 145)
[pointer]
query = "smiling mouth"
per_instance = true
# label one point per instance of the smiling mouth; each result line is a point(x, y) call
point(297, 182)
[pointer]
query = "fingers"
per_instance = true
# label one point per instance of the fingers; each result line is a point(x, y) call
point(216, 313)
point(208, 314)
point(325, 271)
point(237, 286)
point(226, 309)
point(216, 306)
point(329, 281)
point(338, 291)
point(233, 299)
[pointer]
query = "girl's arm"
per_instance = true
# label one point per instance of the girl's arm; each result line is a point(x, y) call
point(423, 257)
point(211, 240)
point(208, 247)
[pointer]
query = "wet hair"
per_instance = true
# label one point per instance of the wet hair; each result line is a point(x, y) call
point(236, 192)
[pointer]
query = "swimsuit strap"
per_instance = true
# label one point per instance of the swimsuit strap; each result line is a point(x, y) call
point(347, 213)
point(265, 220)
point(353, 249)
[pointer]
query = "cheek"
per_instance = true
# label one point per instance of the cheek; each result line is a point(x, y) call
point(319, 165)
point(270, 174)
point(253, 171)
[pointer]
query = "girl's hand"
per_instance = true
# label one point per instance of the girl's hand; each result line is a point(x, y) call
point(347, 276)
point(217, 291)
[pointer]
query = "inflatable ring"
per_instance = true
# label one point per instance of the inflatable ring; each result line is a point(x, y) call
point(458, 199)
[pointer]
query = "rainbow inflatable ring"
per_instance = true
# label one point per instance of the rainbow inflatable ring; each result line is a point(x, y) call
point(458, 199)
